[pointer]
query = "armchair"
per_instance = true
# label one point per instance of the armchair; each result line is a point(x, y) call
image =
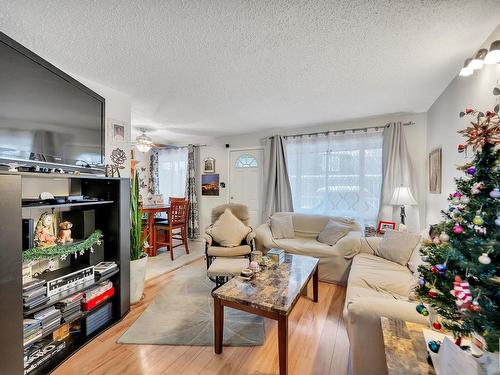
point(214, 249)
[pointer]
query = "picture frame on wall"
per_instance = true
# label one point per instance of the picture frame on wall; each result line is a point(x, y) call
point(209, 165)
point(385, 225)
point(210, 184)
point(117, 132)
point(435, 171)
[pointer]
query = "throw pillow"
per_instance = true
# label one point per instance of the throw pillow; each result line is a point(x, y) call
point(282, 226)
point(398, 246)
point(228, 230)
point(332, 232)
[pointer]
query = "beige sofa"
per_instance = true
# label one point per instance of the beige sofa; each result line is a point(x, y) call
point(334, 261)
point(376, 287)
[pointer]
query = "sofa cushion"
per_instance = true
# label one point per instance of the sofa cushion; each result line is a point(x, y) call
point(332, 232)
point(374, 276)
point(282, 226)
point(228, 230)
point(218, 251)
point(304, 246)
point(398, 246)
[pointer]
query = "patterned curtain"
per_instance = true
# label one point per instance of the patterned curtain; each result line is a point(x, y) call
point(154, 185)
point(191, 194)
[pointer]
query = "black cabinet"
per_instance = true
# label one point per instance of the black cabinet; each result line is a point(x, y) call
point(110, 214)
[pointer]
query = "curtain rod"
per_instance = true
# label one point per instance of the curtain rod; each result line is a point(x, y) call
point(342, 131)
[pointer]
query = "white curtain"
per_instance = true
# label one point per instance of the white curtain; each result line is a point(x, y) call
point(172, 169)
point(336, 174)
point(397, 171)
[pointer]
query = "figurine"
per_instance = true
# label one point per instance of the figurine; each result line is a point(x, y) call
point(65, 232)
point(44, 231)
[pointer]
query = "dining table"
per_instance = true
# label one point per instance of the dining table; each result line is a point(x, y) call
point(150, 211)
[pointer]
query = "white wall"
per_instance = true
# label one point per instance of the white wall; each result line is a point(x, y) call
point(416, 136)
point(443, 122)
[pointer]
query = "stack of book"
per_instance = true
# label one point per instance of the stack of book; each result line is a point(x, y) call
point(50, 319)
point(277, 255)
point(105, 268)
point(34, 293)
point(71, 307)
point(32, 331)
point(41, 352)
point(97, 295)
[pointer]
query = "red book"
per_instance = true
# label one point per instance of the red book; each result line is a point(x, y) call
point(89, 305)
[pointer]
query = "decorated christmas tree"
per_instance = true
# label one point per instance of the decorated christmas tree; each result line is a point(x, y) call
point(459, 278)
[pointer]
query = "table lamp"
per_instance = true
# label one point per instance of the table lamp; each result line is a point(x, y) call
point(402, 197)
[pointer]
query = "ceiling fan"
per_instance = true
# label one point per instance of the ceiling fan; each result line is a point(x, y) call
point(144, 143)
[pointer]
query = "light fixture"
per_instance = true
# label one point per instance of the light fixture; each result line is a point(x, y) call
point(143, 142)
point(478, 60)
point(493, 57)
point(402, 196)
point(467, 69)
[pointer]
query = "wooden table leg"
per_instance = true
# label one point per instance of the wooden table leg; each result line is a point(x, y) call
point(315, 285)
point(218, 324)
point(151, 227)
point(283, 343)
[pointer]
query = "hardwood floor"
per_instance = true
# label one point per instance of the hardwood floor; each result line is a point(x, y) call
point(318, 344)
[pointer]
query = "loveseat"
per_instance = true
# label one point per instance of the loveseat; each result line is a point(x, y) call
point(334, 261)
point(377, 287)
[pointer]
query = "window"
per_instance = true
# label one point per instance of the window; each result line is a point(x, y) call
point(246, 161)
point(339, 175)
point(172, 168)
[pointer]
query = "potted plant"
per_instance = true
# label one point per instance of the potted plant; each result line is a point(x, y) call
point(138, 258)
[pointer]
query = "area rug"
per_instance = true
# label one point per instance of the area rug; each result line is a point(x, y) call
point(182, 314)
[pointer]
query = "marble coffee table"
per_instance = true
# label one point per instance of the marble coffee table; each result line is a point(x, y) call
point(271, 293)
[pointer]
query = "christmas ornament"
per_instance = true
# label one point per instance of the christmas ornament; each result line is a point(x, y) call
point(483, 131)
point(461, 291)
point(461, 148)
point(444, 237)
point(480, 230)
point(471, 171)
point(436, 325)
point(441, 268)
point(421, 309)
point(432, 293)
point(465, 199)
point(497, 221)
point(495, 193)
point(436, 240)
point(434, 270)
point(484, 258)
point(457, 229)
point(434, 346)
point(476, 188)
point(457, 194)
point(425, 258)
point(455, 201)
point(475, 308)
point(478, 220)
point(421, 282)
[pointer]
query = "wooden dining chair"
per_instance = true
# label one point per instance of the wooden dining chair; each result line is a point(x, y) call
point(174, 228)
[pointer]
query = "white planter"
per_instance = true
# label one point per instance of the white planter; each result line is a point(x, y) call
point(137, 275)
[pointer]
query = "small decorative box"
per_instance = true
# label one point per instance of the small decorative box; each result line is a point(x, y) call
point(277, 255)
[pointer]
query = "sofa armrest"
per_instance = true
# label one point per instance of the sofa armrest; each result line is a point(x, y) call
point(370, 245)
point(264, 237)
point(208, 239)
point(365, 331)
point(349, 244)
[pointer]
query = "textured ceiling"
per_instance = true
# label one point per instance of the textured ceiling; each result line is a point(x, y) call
point(209, 68)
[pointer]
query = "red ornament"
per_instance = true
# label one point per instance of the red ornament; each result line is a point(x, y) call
point(458, 341)
point(434, 270)
point(468, 110)
point(475, 308)
point(458, 278)
point(436, 325)
point(461, 148)
point(432, 293)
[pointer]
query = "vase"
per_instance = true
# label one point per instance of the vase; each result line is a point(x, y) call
point(137, 276)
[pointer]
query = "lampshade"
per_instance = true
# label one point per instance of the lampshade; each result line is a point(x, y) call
point(402, 197)
point(467, 69)
point(478, 60)
point(493, 56)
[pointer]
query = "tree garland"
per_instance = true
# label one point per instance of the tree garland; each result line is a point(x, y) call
point(62, 251)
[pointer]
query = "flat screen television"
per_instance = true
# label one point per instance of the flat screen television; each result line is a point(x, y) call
point(46, 116)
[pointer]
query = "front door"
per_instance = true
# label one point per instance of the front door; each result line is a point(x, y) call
point(245, 181)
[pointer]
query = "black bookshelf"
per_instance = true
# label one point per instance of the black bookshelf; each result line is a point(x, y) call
point(111, 215)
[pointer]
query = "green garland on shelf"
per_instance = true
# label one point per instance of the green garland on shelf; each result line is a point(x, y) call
point(62, 251)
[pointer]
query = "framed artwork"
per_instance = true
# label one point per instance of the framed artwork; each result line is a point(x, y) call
point(210, 184)
point(435, 171)
point(209, 165)
point(117, 131)
point(384, 225)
